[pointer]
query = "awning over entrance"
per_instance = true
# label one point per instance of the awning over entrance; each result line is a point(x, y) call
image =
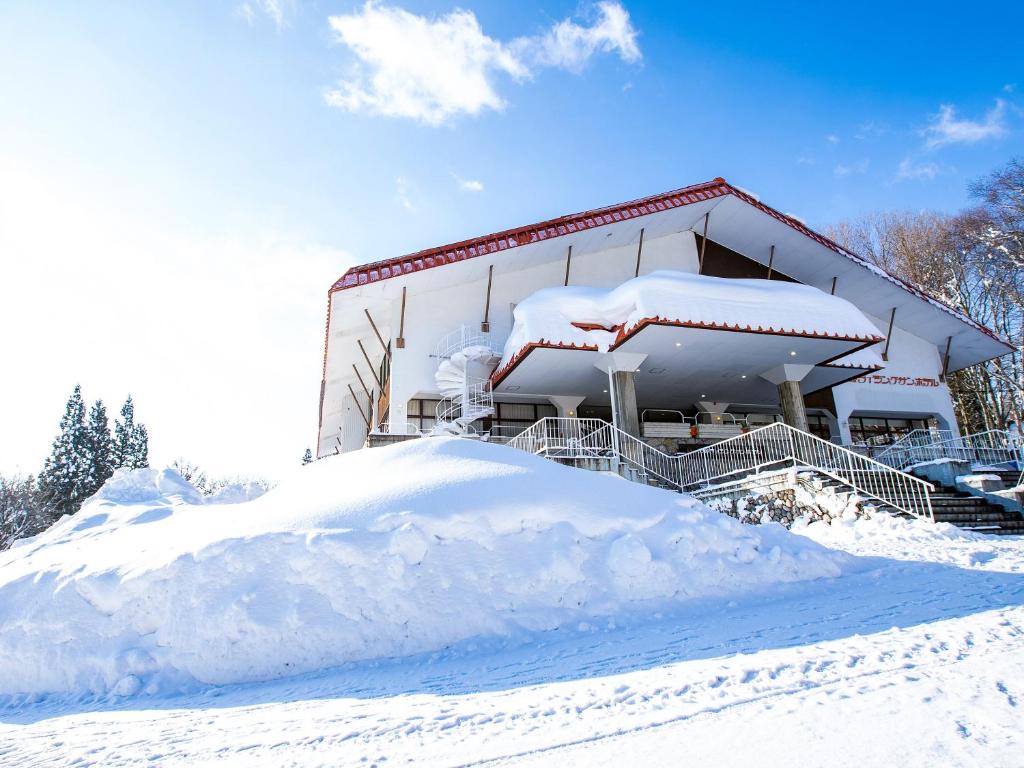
point(699, 337)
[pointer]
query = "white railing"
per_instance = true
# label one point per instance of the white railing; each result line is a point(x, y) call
point(562, 438)
point(994, 446)
point(463, 337)
point(475, 402)
point(769, 447)
point(778, 444)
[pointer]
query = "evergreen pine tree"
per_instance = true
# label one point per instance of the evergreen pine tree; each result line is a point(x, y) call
point(101, 447)
point(131, 440)
point(64, 481)
point(307, 457)
point(140, 447)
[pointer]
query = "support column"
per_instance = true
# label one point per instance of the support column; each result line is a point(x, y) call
point(793, 411)
point(624, 409)
point(787, 378)
point(621, 368)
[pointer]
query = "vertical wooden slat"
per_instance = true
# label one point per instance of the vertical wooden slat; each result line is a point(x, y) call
point(703, 243)
point(485, 326)
point(568, 262)
point(888, 335)
point(400, 341)
point(639, 252)
point(771, 261)
point(945, 359)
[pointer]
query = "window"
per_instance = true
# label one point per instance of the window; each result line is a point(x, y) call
point(880, 431)
point(512, 418)
point(818, 426)
point(422, 413)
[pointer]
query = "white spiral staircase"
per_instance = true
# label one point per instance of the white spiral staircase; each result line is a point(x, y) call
point(462, 377)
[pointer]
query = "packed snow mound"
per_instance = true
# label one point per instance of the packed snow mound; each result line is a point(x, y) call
point(551, 314)
point(375, 553)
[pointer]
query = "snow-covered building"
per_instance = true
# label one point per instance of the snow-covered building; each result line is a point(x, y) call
point(683, 318)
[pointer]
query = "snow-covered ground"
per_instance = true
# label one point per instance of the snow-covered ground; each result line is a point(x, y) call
point(778, 652)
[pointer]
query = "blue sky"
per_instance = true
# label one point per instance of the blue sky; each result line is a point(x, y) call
point(180, 183)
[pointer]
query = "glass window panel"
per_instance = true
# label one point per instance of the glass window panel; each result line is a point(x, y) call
point(546, 410)
point(516, 411)
point(414, 408)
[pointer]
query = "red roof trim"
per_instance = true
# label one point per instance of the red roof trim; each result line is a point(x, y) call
point(532, 233)
point(512, 238)
point(623, 336)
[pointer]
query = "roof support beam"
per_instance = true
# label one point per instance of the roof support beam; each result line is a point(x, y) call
point(703, 242)
point(367, 358)
point(359, 408)
point(363, 383)
point(400, 341)
point(834, 279)
point(485, 326)
point(387, 352)
point(771, 260)
point(888, 335)
point(640, 250)
point(568, 262)
point(945, 360)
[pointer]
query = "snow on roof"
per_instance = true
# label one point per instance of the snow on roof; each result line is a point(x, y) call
point(376, 553)
point(597, 318)
point(578, 222)
point(867, 358)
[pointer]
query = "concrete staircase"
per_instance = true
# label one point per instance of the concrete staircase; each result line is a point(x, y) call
point(964, 510)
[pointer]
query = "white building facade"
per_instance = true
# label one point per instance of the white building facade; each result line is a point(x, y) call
point(808, 332)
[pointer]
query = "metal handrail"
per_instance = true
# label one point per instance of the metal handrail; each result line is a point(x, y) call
point(773, 445)
point(780, 444)
point(993, 446)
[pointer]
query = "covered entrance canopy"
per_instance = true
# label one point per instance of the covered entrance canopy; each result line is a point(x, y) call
point(693, 338)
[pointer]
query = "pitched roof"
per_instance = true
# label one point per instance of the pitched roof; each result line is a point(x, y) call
point(578, 222)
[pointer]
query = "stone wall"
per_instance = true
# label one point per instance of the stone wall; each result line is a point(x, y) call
point(784, 497)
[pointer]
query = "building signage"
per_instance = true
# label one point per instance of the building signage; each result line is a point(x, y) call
point(899, 381)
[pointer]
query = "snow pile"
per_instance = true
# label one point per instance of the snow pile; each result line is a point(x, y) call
point(548, 315)
point(376, 553)
point(885, 535)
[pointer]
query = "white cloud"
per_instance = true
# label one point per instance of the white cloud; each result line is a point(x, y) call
point(402, 193)
point(1009, 88)
point(468, 185)
point(861, 166)
point(832, 139)
point(277, 11)
point(909, 170)
point(946, 128)
point(433, 68)
point(570, 46)
point(805, 160)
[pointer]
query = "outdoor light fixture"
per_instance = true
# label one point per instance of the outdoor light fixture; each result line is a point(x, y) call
point(792, 353)
point(743, 375)
point(678, 344)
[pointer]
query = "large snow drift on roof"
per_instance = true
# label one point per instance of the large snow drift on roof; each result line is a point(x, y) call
point(376, 553)
point(769, 305)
